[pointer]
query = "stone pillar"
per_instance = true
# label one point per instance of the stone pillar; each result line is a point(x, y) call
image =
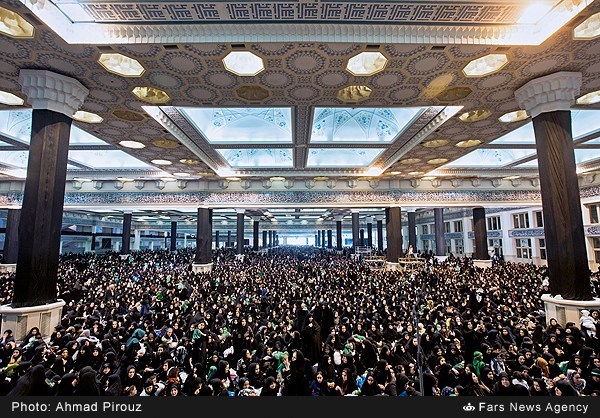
point(217, 239)
point(275, 239)
point(323, 238)
point(548, 100)
point(174, 235)
point(393, 227)
point(480, 231)
point(412, 229)
point(240, 231)
point(126, 234)
point(379, 234)
point(255, 221)
point(203, 257)
point(228, 238)
point(136, 240)
point(370, 231)
point(93, 247)
point(54, 99)
point(11, 237)
point(265, 243)
point(338, 233)
point(440, 240)
point(355, 233)
point(270, 239)
point(361, 235)
point(317, 244)
point(329, 239)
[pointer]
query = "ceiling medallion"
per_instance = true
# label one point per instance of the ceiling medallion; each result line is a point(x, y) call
point(87, 117)
point(252, 93)
point(435, 143)
point(455, 93)
point(165, 143)
point(354, 93)
point(468, 143)
point(475, 115)
point(128, 115)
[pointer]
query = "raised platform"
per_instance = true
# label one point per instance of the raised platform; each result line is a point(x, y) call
point(8, 268)
point(566, 310)
point(21, 320)
point(202, 268)
point(482, 263)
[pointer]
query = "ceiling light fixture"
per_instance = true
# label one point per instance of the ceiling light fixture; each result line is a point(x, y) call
point(243, 63)
point(121, 65)
point(475, 115)
point(87, 117)
point(435, 143)
point(485, 65)
point(161, 162)
point(515, 116)
point(151, 94)
point(366, 63)
point(468, 143)
point(12, 24)
point(589, 28)
point(132, 144)
point(354, 93)
point(590, 98)
point(10, 99)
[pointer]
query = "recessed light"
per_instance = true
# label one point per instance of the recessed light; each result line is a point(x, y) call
point(515, 116)
point(122, 65)
point(366, 63)
point(590, 98)
point(395, 173)
point(475, 115)
point(10, 99)
point(181, 174)
point(151, 94)
point(87, 117)
point(165, 143)
point(410, 161)
point(187, 161)
point(161, 162)
point(435, 143)
point(589, 28)
point(415, 173)
point(12, 24)
point(354, 93)
point(437, 161)
point(485, 65)
point(468, 143)
point(243, 63)
point(132, 144)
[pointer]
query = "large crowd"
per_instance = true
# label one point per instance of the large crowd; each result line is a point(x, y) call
point(299, 321)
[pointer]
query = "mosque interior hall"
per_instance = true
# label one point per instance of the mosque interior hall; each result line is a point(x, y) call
point(376, 132)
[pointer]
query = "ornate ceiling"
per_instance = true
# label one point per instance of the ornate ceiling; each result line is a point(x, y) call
point(305, 69)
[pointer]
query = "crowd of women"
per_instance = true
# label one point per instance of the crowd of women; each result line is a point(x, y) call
point(299, 321)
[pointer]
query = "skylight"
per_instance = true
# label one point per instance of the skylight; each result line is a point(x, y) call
point(366, 125)
point(258, 157)
point(106, 159)
point(522, 135)
point(14, 158)
point(242, 125)
point(584, 121)
point(581, 156)
point(342, 157)
point(490, 158)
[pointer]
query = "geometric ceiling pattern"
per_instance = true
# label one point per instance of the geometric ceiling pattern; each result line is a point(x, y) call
point(409, 124)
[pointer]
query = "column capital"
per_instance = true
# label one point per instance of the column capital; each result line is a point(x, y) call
point(549, 93)
point(338, 217)
point(47, 90)
point(256, 218)
point(369, 219)
point(127, 212)
point(242, 211)
point(410, 209)
point(379, 217)
point(174, 218)
point(355, 210)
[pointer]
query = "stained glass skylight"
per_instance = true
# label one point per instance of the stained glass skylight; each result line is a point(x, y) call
point(258, 157)
point(342, 157)
point(365, 125)
point(490, 158)
point(242, 125)
point(584, 121)
point(106, 159)
point(14, 158)
point(522, 135)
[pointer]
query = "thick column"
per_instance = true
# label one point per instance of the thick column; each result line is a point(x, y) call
point(370, 232)
point(217, 237)
point(338, 233)
point(126, 234)
point(228, 238)
point(361, 237)
point(270, 239)
point(393, 227)
point(136, 240)
point(240, 231)
point(93, 247)
point(264, 241)
point(255, 221)
point(275, 239)
point(440, 240)
point(355, 233)
point(11, 236)
point(412, 229)
point(54, 99)
point(203, 256)
point(380, 234)
point(174, 235)
point(548, 100)
point(480, 230)
point(329, 239)
point(322, 238)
